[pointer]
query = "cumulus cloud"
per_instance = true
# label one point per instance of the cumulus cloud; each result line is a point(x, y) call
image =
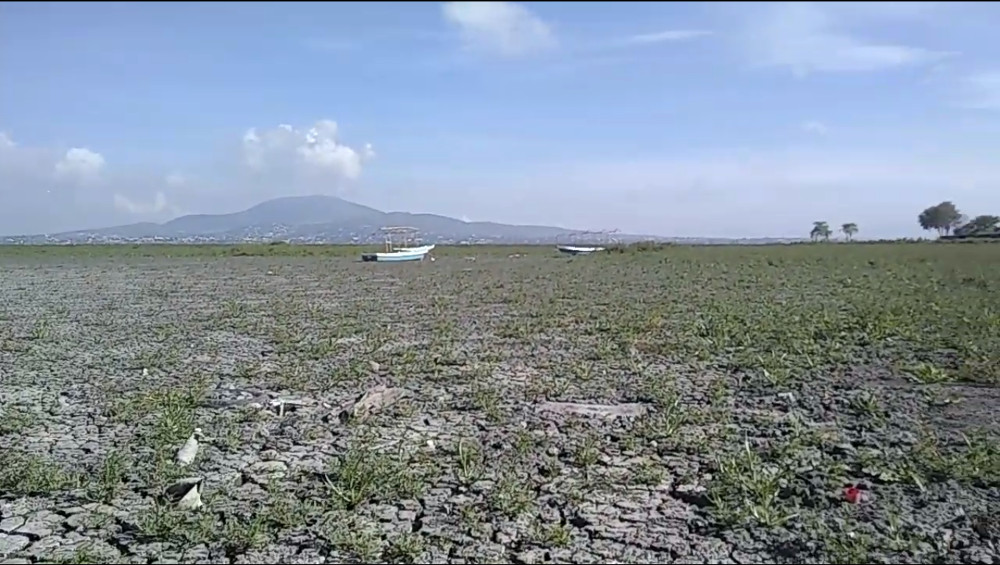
point(314, 152)
point(48, 190)
point(501, 28)
point(80, 165)
point(809, 37)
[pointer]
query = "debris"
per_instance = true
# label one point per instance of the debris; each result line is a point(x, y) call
point(188, 451)
point(186, 493)
point(602, 410)
point(374, 400)
point(282, 405)
point(855, 494)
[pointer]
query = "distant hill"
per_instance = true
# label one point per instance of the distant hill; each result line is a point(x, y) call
point(327, 219)
point(316, 218)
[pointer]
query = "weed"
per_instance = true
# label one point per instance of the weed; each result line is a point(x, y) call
point(109, 477)
point(511, 496)
point(26, 474)
point(746, 488)
point(471, 464)
point(364, 474)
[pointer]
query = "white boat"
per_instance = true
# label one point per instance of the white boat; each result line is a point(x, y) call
point(393, 254)
point(603, 235)
point(577, 250)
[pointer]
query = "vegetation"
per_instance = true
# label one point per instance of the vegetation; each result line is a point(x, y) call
point(763, 379)
point(849, 229)
point(950, 223)
point(821, 230)
point(943, 217)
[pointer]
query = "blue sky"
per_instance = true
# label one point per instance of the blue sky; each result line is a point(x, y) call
point(677, 119)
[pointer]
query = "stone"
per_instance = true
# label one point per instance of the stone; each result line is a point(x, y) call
point(36, 529)
point(10, 544)
point(11, 524)
point(269, 467)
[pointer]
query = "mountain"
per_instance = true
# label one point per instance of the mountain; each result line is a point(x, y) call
point(315, 219)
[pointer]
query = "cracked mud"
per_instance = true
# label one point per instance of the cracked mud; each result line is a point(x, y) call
point(685, 405)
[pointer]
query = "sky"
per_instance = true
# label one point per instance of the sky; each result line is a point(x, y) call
point(672, 119)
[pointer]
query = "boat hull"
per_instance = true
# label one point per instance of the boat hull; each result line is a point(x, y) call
point(400, 255)
point(575, 250)
point(422, 249)
point(392, 257)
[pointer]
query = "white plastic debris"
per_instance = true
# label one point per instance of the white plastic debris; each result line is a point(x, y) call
point(186, 493)
point(188, 451)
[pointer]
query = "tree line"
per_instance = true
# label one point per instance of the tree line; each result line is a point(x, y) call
point(947, 220)
point(822, 231)
point(944, 217)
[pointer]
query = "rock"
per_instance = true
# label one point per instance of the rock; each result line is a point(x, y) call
point(11, 524)
point(10, 544)
point(77, 521)
point(374, 400)
point(269, 468)
point(35, 529)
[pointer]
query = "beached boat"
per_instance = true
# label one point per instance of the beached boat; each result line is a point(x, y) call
point(604, 236)
point(394, 254)
point(577, 250)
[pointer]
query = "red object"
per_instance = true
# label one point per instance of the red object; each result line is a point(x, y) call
point(852, 495)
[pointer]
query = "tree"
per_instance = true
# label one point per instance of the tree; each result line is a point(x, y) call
point(985, 223)
point(849, 230)
point(821, 230)
point(943, 217)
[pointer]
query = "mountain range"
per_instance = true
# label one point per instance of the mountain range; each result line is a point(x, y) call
point(325, 219)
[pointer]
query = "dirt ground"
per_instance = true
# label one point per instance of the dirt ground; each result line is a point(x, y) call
point(680, 405)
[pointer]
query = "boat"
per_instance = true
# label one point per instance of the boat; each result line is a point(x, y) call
point(394, 254)
point(570, 249)
point(577, 250)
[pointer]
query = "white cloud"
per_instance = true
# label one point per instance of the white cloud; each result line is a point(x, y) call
point(80, 165)
point(809, 37)
point(667, 36)
point(813, 126)
point(48, 190)
point(980, 91)
point(503, 28)
point(157, 206)
point(315, 152)
point(175, 180)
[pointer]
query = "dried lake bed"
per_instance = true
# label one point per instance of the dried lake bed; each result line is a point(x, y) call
point(808, 403)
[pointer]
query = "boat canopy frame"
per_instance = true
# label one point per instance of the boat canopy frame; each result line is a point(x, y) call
point(406, 233)
point(606, 237)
